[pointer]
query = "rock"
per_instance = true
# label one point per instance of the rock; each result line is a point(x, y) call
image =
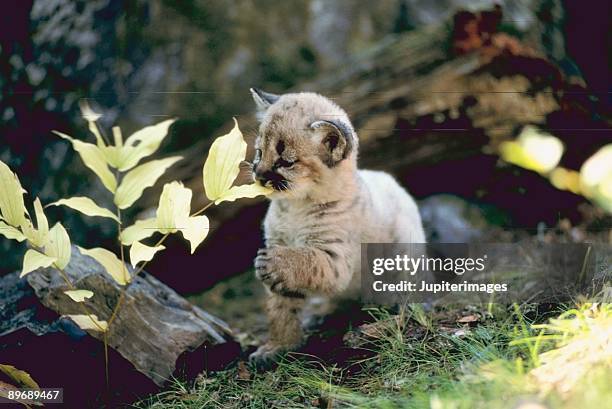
point(153, 327)
point(17, 307)
point(450, 219)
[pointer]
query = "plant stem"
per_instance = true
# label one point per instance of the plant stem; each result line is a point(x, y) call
point(121, 296)
point(125, 274)
point(65, 277)
point(120, 231)
point(202, 209)
point(106, 358)
point(117, 306)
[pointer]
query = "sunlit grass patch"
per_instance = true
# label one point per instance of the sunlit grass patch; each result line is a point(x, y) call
point(563, 363)
point(584, 347)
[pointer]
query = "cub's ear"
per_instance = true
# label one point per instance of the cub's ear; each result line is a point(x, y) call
point(263, 100)
point(338, 141)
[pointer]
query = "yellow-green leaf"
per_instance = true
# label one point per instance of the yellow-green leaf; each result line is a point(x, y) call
point(86, 206)
point(90, 322)
point(33, 260)
point(143, 143)
point(139, 231)
point(174, 207)
point(30, 233)
point(79, 295)
point(596, 177)
point(140, 178)
point(58, 245)
point(140, 252)
point(223, 163)
point(10, 232)
point(110, 262)
point(21, 377)
point(533, 150)
point(11, 199)
point(112, 155)
point(195, 231)
point(37, 236)
point(42, 224)
point(94, 159)
point(242, 191)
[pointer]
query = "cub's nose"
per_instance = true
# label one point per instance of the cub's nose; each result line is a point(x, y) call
point(264, 177)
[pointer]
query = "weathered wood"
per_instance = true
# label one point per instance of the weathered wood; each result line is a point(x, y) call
point(57, 353)
point(154, 326)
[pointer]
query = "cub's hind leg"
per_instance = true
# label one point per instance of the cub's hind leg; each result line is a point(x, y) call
point(285, 328)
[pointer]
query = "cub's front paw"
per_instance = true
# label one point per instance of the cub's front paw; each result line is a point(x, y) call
point(270, 270)
point(266, 269)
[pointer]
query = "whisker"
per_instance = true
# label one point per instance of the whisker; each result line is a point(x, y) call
point(284, 185)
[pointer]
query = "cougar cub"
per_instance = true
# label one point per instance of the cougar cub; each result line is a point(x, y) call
point(322, 209)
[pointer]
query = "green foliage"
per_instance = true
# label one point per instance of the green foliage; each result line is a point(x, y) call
point(121, 170)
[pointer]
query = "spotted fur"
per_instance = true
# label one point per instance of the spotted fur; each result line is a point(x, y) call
point(322, 210)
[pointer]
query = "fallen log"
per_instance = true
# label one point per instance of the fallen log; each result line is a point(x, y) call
point(153, 327)
point(156, 335)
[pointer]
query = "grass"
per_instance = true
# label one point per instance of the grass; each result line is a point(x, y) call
point(507, 358)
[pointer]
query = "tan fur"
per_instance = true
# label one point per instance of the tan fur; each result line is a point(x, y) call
point(314, 228)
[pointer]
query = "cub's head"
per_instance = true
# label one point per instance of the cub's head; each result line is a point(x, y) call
point(304, 142)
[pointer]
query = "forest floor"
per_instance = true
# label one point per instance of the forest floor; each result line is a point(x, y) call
point(523, 356)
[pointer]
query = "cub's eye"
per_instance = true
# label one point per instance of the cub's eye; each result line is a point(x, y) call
point(257, 157)
point(287, 164)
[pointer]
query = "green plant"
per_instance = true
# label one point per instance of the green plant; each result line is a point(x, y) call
point(119, 168)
